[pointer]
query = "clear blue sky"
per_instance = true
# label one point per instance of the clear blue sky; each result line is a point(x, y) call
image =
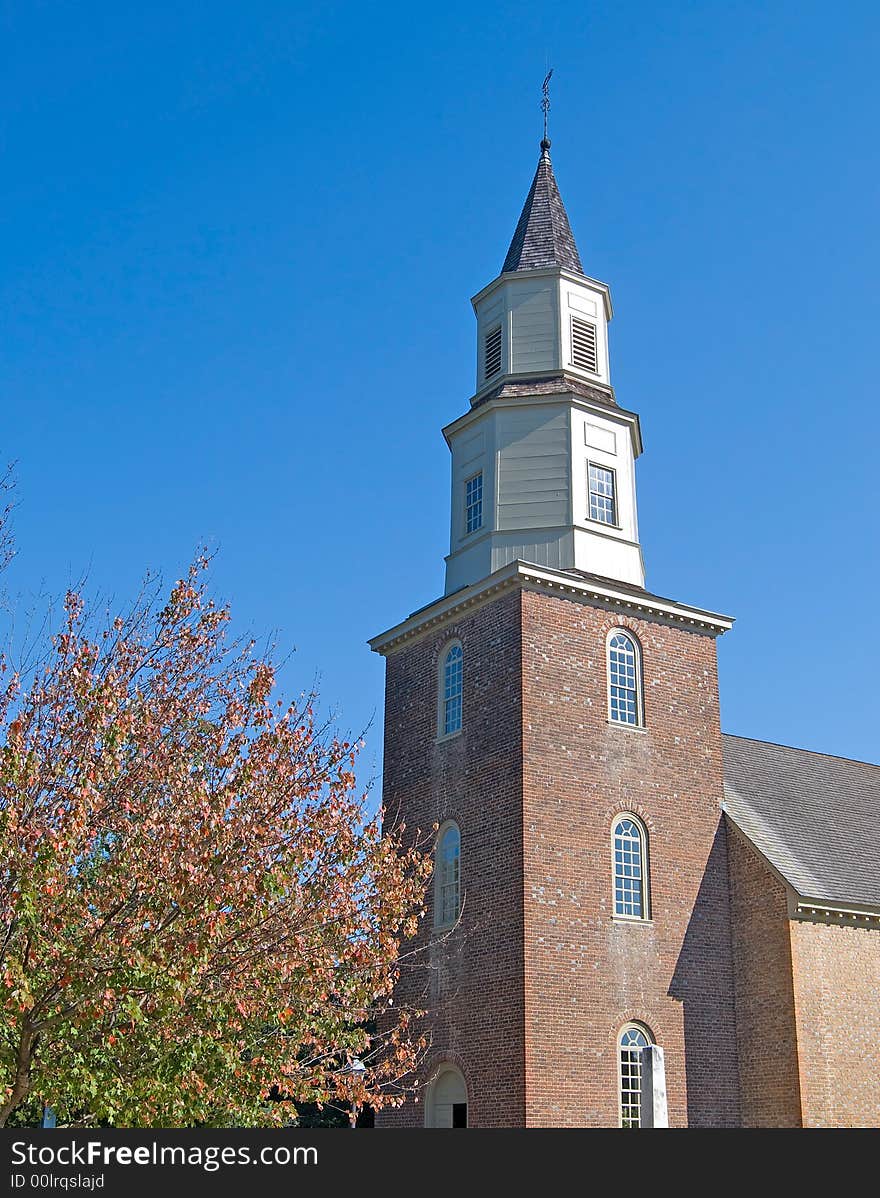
point(238, 247)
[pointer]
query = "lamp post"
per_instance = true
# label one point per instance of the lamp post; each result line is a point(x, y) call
point(357, 1068)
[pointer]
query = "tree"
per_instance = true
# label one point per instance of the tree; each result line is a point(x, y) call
point(195, 910)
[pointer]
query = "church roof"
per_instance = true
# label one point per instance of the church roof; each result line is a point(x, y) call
point(553, 384)
point(814, 817)
point(543, 235)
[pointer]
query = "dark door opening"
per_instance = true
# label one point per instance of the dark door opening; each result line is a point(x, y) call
point(459, 1114)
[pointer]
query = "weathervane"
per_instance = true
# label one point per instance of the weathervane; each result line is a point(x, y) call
point(545, 107)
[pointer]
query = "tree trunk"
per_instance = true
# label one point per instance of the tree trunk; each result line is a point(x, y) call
point(22, 1084)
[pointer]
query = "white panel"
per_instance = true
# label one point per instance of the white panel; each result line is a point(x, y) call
point(600, 438)
point(610, 556)
point(655, 1111)
point(469, 564)
point(582, 303)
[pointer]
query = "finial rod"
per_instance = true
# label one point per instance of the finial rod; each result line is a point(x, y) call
point(545, 107)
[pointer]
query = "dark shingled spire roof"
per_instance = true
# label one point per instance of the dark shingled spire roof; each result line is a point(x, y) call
point(543, 235)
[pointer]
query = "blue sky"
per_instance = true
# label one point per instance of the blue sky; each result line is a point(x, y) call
point(238, 248)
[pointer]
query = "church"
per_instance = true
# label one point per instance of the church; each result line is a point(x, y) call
point(635, 920)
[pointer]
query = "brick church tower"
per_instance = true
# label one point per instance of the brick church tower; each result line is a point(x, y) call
point(559, 723)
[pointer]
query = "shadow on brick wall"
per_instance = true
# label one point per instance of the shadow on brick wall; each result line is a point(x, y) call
point(703, 982)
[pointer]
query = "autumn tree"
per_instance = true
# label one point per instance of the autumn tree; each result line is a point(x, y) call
point(199, 921)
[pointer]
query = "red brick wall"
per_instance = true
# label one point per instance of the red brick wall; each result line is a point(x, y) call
point(836, 970)
point(529, 998)
point(766, 1034)
point(473, 979)
point(586, 973)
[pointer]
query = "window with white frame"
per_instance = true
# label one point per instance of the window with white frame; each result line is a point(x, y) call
point(473, 503)
point(450, 691)
point(624, 676)
point(630, 868)
point(603, 504)
point(492, 352)
point(631, 1046)
point(447, 877)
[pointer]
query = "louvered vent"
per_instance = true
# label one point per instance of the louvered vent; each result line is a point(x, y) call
point(583, 345)
point(492, 353)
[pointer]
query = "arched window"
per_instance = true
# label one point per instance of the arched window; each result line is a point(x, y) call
point(630, 868)
point(447, 877)
point(450, 691)
point(624, 673)
point(632, 1043)
point(447, 1104)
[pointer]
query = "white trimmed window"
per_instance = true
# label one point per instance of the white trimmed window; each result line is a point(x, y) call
point(492, 353)
point(451, 678)
point(632, 1043)
point(630, 868)
point(624, 677)
point(603, 504)
point(447, 877)
point(473, 503)
point(584, 354)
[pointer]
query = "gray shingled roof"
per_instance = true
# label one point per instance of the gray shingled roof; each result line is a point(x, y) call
point(543, 235)
point(555, 384)
point(814, 817)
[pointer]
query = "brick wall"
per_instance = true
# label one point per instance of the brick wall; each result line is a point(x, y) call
point(586, 973)
point(471, 978)
point(529, 995)
point(765, 1021)
point(836, 971)
point(766, 1032)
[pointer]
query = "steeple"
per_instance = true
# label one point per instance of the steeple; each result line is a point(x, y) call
point(542, 315)
point(543, 236)
point(543, 464)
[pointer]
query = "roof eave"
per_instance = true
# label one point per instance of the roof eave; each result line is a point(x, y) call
point(477, 410)
point(801, 905)
point(543, 578)
point(561, 272)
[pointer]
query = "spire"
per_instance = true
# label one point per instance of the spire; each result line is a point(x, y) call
point(543, 235)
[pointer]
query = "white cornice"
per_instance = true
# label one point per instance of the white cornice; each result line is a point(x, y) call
point(615, 413)
point(824, 911)
point(555, 272)
point(521, 574)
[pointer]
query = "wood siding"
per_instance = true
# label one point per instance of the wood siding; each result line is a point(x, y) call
point(533, 328)
point(533, 465)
